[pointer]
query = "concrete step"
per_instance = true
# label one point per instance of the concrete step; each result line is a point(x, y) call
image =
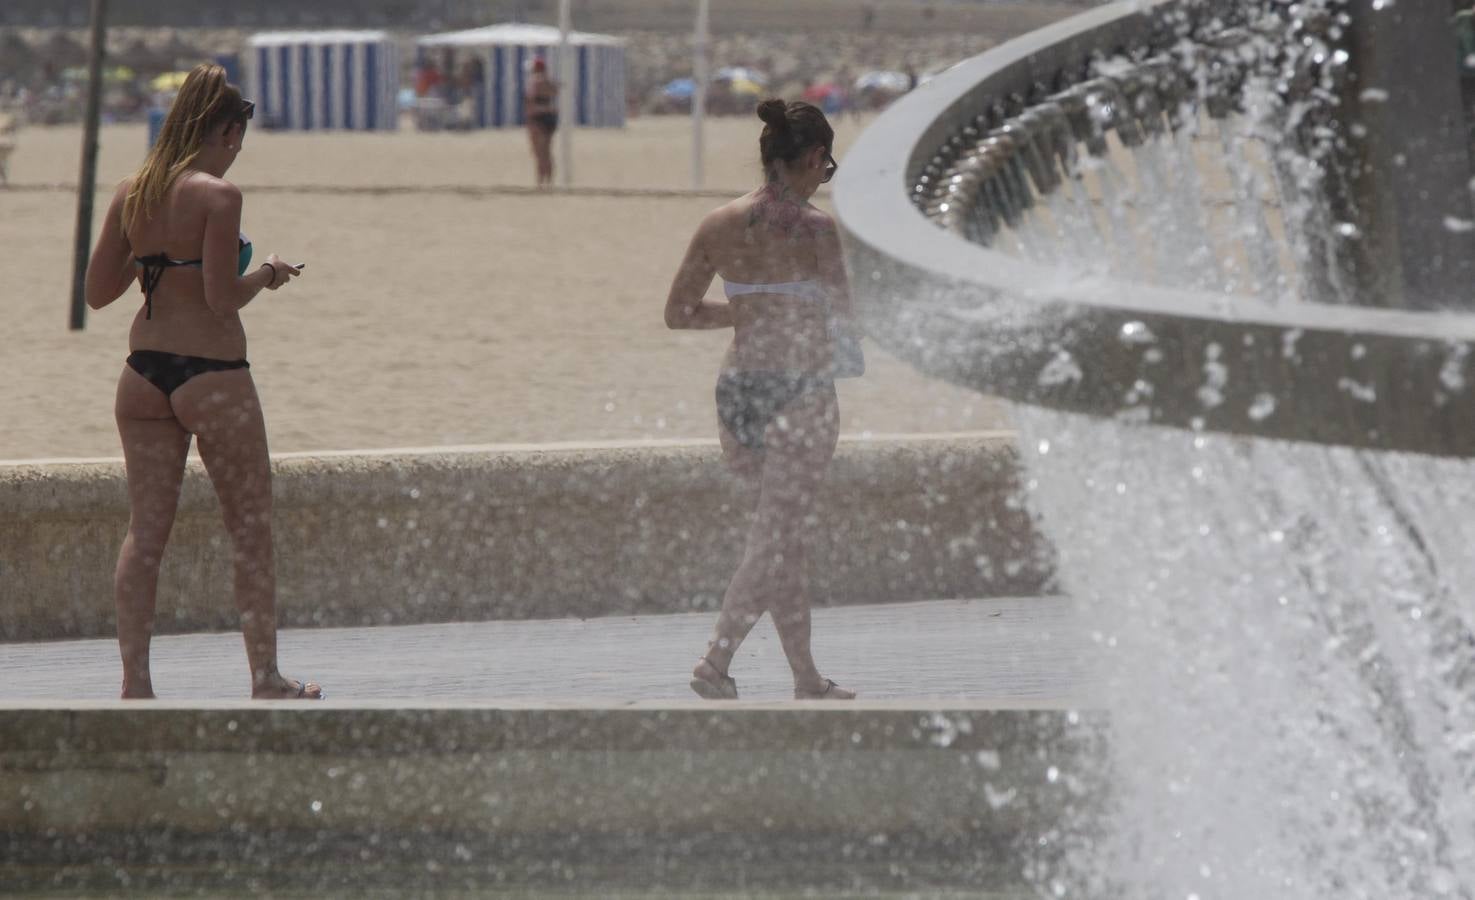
point(558, 758)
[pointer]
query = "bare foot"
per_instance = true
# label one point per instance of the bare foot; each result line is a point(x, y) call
point(284, 689)
point(825, 690)
point(711, 684)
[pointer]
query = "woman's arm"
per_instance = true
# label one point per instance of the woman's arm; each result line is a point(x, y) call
point(226, 292)
point(832, 267)
point(110, 271)
point(687, 305)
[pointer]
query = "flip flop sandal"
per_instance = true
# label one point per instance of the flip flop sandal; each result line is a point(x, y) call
point(829, 686)
point(302, 692)
point(724, 688)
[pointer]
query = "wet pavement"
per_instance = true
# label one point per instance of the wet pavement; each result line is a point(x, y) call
point(1015, 650)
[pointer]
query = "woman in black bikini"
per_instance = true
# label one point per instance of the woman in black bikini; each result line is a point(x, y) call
point(175, 228)
point(789, 306)
point(541, 112)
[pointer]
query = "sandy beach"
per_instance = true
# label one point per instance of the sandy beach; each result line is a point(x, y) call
point(443, 310)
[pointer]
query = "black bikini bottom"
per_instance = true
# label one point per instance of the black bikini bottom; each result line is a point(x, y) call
point(748, 401)
point(167, 371)
point(547, 121)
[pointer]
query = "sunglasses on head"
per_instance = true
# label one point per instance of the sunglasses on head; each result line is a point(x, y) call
point(831, 167)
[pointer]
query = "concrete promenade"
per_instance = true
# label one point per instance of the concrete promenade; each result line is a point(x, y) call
point(1013, 651)
point(559, 758)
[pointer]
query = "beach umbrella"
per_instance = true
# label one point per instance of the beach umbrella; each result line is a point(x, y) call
point(680, 89)
point(736, 74)
point(169, 81)
point(819, 93)
point(890, 82)
point(745, 87)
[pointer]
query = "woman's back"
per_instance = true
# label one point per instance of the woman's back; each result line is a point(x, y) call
point(771, 239)
point(178, 319)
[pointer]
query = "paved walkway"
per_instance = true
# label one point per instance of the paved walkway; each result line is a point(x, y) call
point(1008, 650)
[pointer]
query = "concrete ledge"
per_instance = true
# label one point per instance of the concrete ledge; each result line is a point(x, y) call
point(951, 790)
point(480, 533)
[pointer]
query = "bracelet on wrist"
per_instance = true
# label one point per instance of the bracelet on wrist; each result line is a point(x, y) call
point(267, 265)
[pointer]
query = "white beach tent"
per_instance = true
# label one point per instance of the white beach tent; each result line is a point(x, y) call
point(308, 80)
point(595, 99)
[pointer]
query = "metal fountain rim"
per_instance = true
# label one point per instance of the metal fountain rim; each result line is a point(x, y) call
point(872, 203)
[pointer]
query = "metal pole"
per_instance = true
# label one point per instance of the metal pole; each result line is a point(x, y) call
point(567, 76)
point(699, 79)
point(87, 181)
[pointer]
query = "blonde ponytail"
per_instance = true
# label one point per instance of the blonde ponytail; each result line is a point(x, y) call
point(205, 102)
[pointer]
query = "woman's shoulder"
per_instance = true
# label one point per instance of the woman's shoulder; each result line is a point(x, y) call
point(733, 212)
point(212, 190)
point(819, 221)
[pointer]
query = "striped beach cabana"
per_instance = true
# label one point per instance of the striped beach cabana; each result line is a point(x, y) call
point(306, 80)
point(595, 99)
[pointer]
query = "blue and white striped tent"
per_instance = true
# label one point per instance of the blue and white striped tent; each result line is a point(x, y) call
point(595, 99)
point(307, 80)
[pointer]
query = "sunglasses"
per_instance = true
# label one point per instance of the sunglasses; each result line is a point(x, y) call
point(248, 109)
point(831, 167)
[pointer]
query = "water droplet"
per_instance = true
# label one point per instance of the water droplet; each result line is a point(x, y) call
point(1044, 446)
point(317, 806)
point(1052, 774)
point(1135, 332)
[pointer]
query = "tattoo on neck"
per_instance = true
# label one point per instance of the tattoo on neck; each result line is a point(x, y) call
point(779, 208)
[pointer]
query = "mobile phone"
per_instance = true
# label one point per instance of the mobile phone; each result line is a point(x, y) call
point(300, 266)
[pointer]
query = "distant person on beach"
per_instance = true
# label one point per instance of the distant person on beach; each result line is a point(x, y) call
point(788, 304)
point(541, 109)
point(174, 227)
point(427, 78)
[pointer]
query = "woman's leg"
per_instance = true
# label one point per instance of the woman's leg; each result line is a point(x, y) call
point(224, 412)
point(799, 445)
point(740, 608)
point(548, 157)
point(154, 451)
point(533, 131)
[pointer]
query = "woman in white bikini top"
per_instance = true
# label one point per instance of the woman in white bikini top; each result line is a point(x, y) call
point(788, 304)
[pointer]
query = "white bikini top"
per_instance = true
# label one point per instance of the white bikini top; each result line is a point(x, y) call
point(812, 289)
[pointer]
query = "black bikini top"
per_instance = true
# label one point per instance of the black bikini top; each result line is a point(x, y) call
point(154, 265)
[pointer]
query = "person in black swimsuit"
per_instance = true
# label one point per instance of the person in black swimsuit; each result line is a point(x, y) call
point(174, 227)
point(541, 112)
point(788, 304)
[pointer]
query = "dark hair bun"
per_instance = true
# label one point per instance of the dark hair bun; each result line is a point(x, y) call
point(792, 128)
point(773, 112)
